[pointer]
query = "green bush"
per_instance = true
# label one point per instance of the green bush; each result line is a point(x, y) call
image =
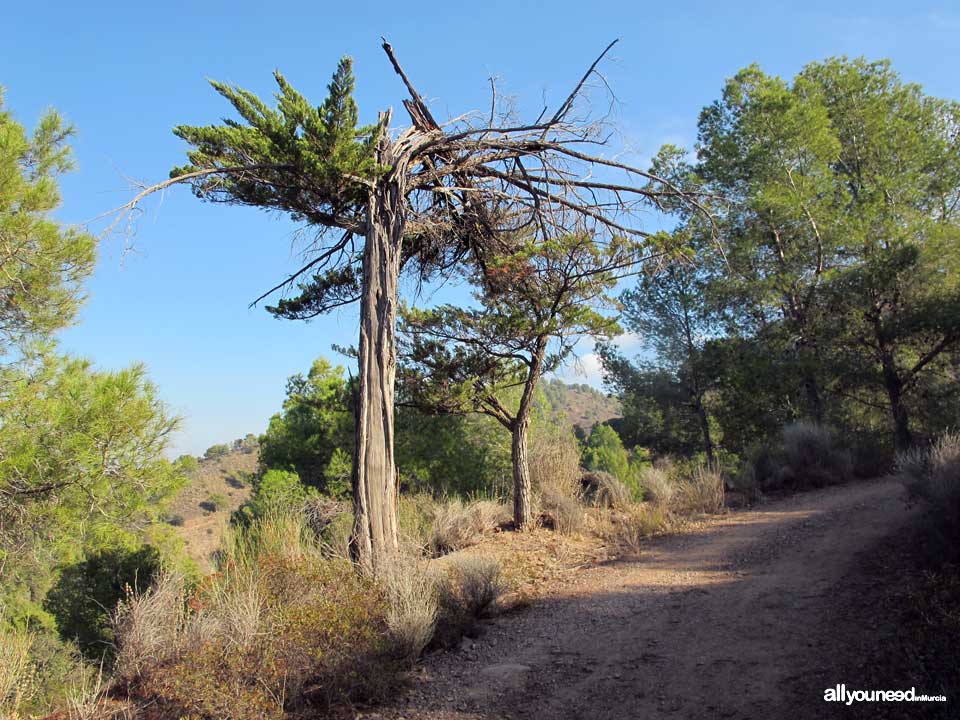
point(216, 451)
point(807, 456)
point(187, 463)
point(87, 592)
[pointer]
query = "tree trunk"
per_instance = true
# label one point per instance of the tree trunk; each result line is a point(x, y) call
point(374, 537)
point(814, 402)
point(704, 425)
point(902, 437)
point(522, 485)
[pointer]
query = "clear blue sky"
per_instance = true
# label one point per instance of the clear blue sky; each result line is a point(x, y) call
point(126, 73)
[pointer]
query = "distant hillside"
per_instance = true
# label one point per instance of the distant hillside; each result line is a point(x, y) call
point(218, 485)
point(583, 405)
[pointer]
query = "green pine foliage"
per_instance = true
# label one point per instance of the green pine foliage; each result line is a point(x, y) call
point(44, 264)
point(306, 160)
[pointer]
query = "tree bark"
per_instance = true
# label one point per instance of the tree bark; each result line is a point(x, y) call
point(522, 484)
point(374, 481)
point(704, 424)
point(902, 437)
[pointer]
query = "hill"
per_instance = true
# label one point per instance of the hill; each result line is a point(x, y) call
point(219, 484)
point(584, 406)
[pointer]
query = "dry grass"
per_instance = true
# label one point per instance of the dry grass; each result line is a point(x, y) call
point(933, 473)
point(149, 626)
point(555, 464)
point(702, 492)
point(457, 525)
point(466, 592)
point(658, 486)
point(16, 671)
point(565, 513)
point(610, 492)
point(626, 529)
point(278, 627)
point(410, 588)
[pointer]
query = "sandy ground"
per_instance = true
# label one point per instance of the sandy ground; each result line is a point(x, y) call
point(735, 619)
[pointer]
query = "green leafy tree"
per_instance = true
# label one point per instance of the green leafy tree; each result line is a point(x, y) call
point(838, 217)
point(81, 466)
point(896, 299)
point(315, 423)
point(535, 304)
point(43, 263)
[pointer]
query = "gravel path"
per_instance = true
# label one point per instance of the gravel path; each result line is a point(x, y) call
point(732, 620)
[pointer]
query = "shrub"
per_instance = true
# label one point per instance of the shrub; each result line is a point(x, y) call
point(410, 589)
point(277, 628)
point(278, 491)
point(626, 529)
point(702, 492)
point(218, 501)
point(16, 670)
point(658, 487)
point(933, 474)
point(466, 592)
point(87, 592)
point(187, 463)
point(813, 456)
point(216, 451)
point(608, 491)
point(177, 520)
point(555, 463)
point(457, 525)
point(604, 451)
point(563, 511)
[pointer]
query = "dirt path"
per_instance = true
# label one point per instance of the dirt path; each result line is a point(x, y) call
point(729, 621)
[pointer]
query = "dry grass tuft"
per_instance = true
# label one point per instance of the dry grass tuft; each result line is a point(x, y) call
point(610, 492)
point(565, 513)
point(466, 593)
point(702, 492)
point(555, 464)
point(625, 530)
point(658, 486)
point(457, 525)
point(16, 670)
point(412, 605)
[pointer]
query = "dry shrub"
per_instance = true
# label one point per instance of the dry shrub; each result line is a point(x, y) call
point(320, 512)
point(555, 463)
point(16, 670)
point(457, 525)
point(813, 457)
point(410, 589)
point(702, 492)
point(565, 513)
point(933, 473)
point(466, 593)
point(277, 628)
point(626, 529)
point(609, 492)
point(658, 486)
point(149, 626)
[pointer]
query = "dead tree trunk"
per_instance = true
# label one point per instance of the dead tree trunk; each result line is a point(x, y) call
point(374, 536)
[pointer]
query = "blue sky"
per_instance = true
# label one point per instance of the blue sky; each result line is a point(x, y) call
point(125, 74)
